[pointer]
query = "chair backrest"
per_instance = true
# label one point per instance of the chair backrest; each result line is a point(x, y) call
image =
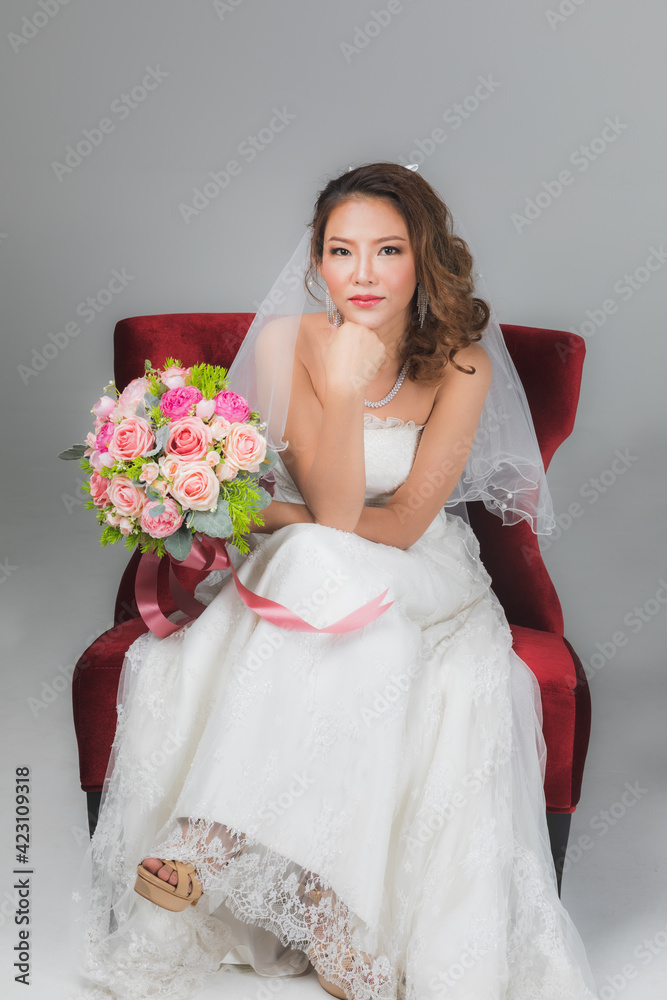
point(549, 364)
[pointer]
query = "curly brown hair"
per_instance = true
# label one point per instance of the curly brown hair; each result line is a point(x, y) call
point(443, 264)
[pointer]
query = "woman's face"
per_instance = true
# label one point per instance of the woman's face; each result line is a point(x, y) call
point(368, 265)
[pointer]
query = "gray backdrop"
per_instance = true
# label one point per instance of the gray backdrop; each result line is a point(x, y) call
point(542, 123)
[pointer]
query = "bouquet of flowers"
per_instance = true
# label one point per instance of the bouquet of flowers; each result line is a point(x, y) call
point(175, 453)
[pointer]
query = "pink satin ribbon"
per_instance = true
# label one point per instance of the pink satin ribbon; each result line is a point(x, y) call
point(208, 554)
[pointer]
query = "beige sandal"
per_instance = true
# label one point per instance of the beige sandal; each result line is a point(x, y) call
point(346, 962)
point(331, 988)
point(176, 897)
point(171, 897)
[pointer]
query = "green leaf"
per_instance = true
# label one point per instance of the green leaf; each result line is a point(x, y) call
point(150, 399)
point(272, 457)
point(179, 544)
point(156, 511)
point(75, 452)
point(264, 496)
point(153, 494)
point(161, 436)
point(217, 523)
point(171, 363)
point(209, 379)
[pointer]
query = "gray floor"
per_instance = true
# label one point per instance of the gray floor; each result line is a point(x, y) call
point(614, 889)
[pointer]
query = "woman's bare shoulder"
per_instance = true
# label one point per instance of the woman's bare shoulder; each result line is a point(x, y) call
point(277, 335)
point(311, 329)
point(473, 356)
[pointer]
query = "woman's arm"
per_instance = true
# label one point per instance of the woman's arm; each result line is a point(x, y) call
point(325, 453)
point(280, 513)
point(443, 451)
point(335, 487)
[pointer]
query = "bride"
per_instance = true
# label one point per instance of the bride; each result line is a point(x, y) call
point(368, 800)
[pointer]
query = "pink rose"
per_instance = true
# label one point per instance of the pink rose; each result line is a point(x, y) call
point(104, 436)
point(98, 490)
point(113, 519)
point(99, 459)
point(162, 486)
point(245, 447)
point(188, 438)
point(174, 377)
point(177, 403)
point(205, 409)
point(149, 472)
point(130, 397)
point(126, 496)
point(225, 471)
point(219, 428)
point(213, 458)
point(229, 404)
point(131, 438)
point(104, 407)
point(169, 465)
point(195, 486)
point(165, 523)
point(126, 526)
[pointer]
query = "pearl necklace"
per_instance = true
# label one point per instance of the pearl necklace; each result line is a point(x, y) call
point(397, 385)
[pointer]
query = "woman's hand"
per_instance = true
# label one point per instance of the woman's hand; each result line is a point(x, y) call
point(352, 356)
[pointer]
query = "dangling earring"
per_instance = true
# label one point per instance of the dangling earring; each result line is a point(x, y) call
point(333, 315)
point(422, 303)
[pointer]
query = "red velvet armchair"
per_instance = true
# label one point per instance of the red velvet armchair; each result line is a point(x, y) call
point(551, 379)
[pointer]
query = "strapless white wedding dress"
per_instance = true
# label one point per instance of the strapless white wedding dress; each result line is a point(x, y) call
point(400, 766)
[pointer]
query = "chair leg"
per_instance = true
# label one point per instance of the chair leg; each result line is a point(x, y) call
point(93, 802)
point(559, 832)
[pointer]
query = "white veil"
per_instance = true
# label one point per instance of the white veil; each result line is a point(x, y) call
point(504, 468)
